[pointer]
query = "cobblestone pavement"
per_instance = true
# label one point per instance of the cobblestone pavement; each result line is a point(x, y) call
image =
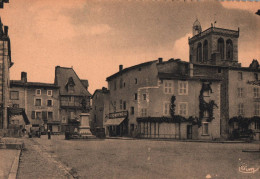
point(35, 162)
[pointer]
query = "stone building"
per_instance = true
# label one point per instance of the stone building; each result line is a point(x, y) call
point(40, 102)
point(140, 106)
point(73, 94)
point(100, 103)
point(5, 64)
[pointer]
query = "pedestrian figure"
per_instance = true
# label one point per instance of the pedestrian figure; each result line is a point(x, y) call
point(49, 134)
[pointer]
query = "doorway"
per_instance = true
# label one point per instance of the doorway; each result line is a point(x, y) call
point(189, 131)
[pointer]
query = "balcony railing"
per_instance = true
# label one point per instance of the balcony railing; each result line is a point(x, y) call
point(70, 104)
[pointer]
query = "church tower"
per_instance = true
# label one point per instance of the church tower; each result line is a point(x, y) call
point(214, 46)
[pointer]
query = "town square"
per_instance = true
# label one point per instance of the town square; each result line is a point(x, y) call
point(129, 89)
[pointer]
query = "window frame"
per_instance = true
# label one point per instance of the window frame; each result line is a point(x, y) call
point(49, 91)
point(36, 102)
point(240, 92)
point(257, 109)
point(241, 109)
point(51, 102)
point(180, 92)
point(168, 87)
point(186, 108)
point(205, 132)
point(17, 95)
point(48, 115)
point(37, 93)
point(166, 108)
point(256, 92)
point(39, 112)
point(240, 76)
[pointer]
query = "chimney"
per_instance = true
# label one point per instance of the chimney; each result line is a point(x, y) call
point(160, 60)
point(24, 77)
point(120, 67)
point(6, 30)
point(191, 69)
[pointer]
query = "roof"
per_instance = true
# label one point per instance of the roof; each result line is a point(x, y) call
point(114, 122)
point(186, 77)
point(130, 68)
point(85, 83)
point(17, 83)
point(62, 75)
point(103, 90)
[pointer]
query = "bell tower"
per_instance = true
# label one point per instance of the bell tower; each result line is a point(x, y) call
point(213, 46)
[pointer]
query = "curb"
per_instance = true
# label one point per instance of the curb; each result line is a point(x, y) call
point(15, 165)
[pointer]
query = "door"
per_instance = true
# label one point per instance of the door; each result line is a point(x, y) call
point(189, 131)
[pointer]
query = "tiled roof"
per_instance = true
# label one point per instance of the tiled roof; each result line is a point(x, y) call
point(130, 68)
point(62, 75)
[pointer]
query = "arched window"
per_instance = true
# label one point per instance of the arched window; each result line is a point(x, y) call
point(221, 47)
point(229, 50)
point(199, 53)
point(205, 50)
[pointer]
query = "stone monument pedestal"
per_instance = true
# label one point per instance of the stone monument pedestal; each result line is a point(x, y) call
point(84, 128)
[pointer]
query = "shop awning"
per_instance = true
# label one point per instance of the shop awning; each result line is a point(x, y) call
point(114, 122)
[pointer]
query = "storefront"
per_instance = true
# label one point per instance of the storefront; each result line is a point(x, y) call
point(117, 124)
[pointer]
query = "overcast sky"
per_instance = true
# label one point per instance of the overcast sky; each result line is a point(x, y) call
point(95, 37)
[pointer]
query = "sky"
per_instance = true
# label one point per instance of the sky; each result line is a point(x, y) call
point(95, 37)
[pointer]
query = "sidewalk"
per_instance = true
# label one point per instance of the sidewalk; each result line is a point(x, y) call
point(9, 163)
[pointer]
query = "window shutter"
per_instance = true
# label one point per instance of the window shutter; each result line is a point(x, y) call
point(44, 115)
point(33, 114)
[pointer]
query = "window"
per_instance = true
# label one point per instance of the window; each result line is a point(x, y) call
point(257, 109)
point(257, 125)
point(121, 83)
point(135, 96)
point(240, 76)
point(168, 87)
point(71, 88)
point(199, 53)
point(71, 98)
point(49, 102)
point(183, 87)
point(49, 92)
point(205, 128)
point(50, 115)
point(144, 97)
point(183, 107)
point(38, 92)
point(121, 104)
point(166, 109)
point(135, 80)
point(72, 114)
point(114, 105)
point(115, 85)
point(229, 50)
point(221, 47)
point(240, 92)
point(256, 76)
point(205, 50)
point(240, 109)
point(143, 112)
point(38, 115)
point(132, 110)
point(38, 102)
point(219, 70)
point(256, 92)
point(14, 95)
point(124, 105)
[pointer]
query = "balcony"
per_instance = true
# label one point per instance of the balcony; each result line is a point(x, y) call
point(69, 104)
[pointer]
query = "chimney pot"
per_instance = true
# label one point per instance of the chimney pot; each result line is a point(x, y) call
point(6, 30)
point(160, 60)
point(24, 77)
point(120, 67)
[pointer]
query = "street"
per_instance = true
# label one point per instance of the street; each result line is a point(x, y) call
point(115, 158)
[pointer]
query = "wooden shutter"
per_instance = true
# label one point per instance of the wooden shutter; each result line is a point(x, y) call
point(33, 114)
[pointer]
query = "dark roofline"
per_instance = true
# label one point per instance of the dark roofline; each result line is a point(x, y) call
point(185, 77)
point(130, 68)
point(101, 91)
point(32, 84)
point(229, 67)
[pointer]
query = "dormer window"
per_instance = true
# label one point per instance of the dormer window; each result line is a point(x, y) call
point(70, 85)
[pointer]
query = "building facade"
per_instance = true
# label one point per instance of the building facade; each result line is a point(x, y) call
point(100, 103)
point(144, 92)
point(5, 64)
point(40, 102)
point(73, 95)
